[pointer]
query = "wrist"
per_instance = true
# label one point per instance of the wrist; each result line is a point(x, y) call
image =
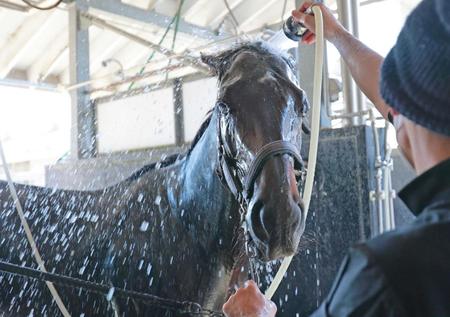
point(338, 35)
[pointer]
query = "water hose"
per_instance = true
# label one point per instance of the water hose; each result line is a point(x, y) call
point(29, 235)
point(313, 143)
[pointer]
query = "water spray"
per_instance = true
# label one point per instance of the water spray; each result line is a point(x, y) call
point(292, 32)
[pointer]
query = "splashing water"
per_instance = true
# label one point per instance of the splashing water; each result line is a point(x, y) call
point(110, 294)
point(144, 226)
point(281, 41)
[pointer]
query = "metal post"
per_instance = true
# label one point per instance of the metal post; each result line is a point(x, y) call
point(353, 98)
point(360, 99)
point(178, 108)
point(83, 130)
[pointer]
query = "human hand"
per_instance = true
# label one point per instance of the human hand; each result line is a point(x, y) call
point(331, 25)
point(249, 302)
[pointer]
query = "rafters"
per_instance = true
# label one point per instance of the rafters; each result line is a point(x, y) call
point(20, 42)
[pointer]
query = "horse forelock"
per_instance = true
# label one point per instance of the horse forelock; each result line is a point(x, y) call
point(222, 61)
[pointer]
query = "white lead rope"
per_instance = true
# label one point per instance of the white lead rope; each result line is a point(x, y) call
point(314, 140)
point(29, 235)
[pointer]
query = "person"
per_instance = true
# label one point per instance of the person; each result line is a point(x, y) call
point(405, 272)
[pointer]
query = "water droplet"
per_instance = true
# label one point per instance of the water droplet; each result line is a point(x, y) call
point(73, 219)
point(144, 226)
point(110, 294)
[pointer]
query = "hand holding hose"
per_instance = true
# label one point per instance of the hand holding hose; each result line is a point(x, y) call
point(249, 302)
point(331, 25)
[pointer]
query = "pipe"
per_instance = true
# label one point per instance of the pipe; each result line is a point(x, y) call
point(376, 196)
point(135, 78)
point(314, 140)
point(350, 115)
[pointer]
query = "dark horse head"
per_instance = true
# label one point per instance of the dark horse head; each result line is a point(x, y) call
point(260, 102)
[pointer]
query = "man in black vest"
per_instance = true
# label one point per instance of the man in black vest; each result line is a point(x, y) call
point(405, 272)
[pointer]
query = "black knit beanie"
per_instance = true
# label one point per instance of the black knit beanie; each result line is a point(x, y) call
point(415, 76)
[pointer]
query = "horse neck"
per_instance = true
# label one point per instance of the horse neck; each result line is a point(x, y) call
point(202, 191)
point(204, 195)
point(200, 179)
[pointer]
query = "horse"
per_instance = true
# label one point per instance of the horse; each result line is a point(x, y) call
point(171, 228)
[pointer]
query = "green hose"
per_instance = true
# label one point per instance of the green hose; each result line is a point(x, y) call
point(176, 19)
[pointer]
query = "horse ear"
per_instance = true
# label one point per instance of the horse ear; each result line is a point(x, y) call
point(213, 61)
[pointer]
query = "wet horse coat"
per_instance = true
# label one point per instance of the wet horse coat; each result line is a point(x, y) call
point(168, 230)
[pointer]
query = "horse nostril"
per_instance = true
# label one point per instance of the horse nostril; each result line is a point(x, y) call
point(257, 222)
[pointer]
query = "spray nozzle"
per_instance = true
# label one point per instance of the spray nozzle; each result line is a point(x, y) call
point(295, 30)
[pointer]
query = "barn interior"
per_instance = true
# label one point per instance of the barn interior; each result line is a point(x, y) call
point(93, 90)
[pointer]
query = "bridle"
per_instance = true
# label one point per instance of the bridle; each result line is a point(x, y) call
point(242, 190)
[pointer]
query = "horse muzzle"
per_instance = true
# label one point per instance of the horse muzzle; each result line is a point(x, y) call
point(275, 216)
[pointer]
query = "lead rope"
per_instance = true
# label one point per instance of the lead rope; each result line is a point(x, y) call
point(314, 140)
point(29, 235)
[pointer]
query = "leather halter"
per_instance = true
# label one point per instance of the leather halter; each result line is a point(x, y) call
point(244, 192)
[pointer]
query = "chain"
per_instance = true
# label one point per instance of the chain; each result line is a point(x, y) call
point(249, 249)
point(185, 307)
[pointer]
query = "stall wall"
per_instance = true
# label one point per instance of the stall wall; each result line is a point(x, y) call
point(198, 98)
point(136, 122)
point(148, 120)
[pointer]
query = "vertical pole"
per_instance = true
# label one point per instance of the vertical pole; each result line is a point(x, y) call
point(353, 98)
point(360, 99)
point(83, 131)
point(178, 108)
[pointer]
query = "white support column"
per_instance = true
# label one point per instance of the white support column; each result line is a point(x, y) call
point(353, 98)
point(83, 134)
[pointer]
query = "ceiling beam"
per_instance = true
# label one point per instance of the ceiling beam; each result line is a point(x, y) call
point(122, 10)
point(188, 60)
point(14, 6)
point(248, 11)
point(218, 19)
point(39, 68)
point(21, 43)
point(63, 56)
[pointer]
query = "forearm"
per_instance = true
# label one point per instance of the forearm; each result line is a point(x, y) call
point(364, 65)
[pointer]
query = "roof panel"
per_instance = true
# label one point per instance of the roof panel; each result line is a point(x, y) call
point(37, 42)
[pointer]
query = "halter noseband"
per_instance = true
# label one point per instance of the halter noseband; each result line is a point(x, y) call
point(244, 192)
